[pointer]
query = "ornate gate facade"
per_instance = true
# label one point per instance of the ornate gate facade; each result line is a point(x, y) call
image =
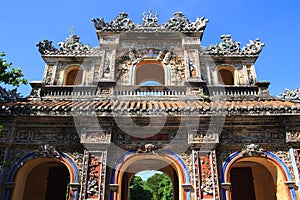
point(150, 97)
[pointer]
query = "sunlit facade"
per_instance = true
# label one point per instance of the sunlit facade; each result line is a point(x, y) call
point(150, 97)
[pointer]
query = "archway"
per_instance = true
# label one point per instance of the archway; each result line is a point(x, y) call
point(168, 162)
point(73, 76)
point(149, 164)
point(149, 71)
point(47, 181)
point(35, 169)
point(251, 180)
point(151, 184)
point(226, 75)
point(256, 171)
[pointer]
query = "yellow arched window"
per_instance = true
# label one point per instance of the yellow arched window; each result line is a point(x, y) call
point(73, 76)
point(149, 72)
point(226, 75)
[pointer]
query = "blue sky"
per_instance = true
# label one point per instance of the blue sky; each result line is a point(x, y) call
point(276, 23)
point(147, 174)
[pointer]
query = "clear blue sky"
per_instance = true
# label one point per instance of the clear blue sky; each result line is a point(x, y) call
point(276, 23)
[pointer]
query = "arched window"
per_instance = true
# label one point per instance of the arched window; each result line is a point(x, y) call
point(225, 75)
point(149, 72)
point(73, 76)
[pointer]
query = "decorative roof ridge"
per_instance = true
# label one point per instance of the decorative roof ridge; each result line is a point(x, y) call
point(9, 95)
point(146, 108)
point(177, 23)
point(290, 95)
point(71, 46)
point(229, 47)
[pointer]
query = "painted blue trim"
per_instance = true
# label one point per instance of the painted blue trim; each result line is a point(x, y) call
point(235, 154)
point(186, 171)
point(286, 170)
point(30, 156)
point(14, 169)
point(113, 171)
point(227, 161)
point(76, 173)
point(295, 168)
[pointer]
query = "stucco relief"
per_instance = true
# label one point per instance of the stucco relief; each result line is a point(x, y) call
point(128, 60)
point(177, 65)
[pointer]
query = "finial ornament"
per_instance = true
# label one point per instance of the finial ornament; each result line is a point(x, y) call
point(149, 19)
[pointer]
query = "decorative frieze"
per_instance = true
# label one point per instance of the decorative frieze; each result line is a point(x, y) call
point(203, 137)
point(95, 136)
point(292, 136)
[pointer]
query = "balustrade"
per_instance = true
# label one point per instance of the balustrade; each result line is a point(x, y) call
point(67, 92)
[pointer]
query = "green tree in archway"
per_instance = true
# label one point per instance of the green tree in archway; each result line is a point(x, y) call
point(165, 188)
point(139, 190)
point(161, 186)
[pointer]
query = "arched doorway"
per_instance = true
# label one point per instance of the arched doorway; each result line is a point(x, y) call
point(258, 177)
point(47, 181)
point(253, 181)
point(44, 172)
point(168, 163)
point(149, 164)
point(42, 178)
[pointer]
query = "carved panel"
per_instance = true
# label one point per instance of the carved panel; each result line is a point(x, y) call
point(192, 63)
point(23, 136)
point(108, 63)
point(50, 74)
point(96, 136)
point(206, 178)
point(177, 64)
point(94, 179)
point(97, 72)
point(201, 137)
point(51, 136)
point(292, 136)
